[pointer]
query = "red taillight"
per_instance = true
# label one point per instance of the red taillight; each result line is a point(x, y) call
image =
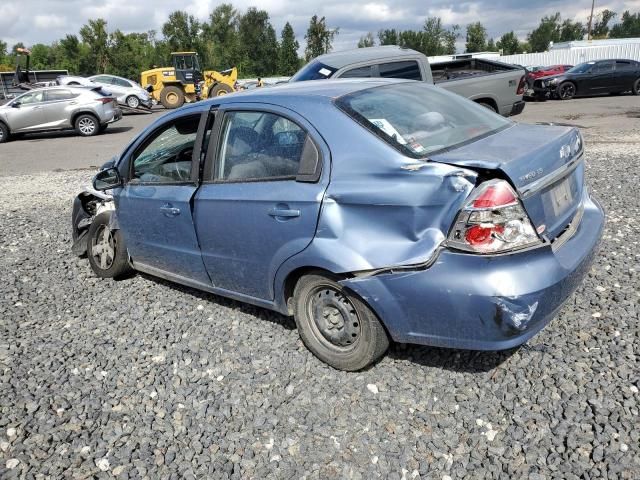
point(521, 86)
point(104, 100)
point(482, 235)
point(495, 196)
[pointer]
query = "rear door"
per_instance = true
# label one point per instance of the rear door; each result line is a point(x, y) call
point(56, 107)
point(154, 206)
point(261, 195)
point(625, 74)
point(28, 113)
point(601, 78)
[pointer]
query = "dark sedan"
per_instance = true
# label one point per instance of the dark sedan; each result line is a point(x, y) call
point(592, 78)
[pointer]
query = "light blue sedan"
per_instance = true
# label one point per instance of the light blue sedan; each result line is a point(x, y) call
point(369, 210)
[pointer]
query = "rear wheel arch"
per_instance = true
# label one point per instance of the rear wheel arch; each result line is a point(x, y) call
point(488, 102)
point(294, 277)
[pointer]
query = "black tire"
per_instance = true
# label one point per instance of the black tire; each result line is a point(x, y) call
point(488, 106)
point(636, 87)
point(87, 125)
point(103, 128)
point(338, 328)
point(172, 97)
point(106, 250)
point(566, 90)
point(132, 101)
point(219, 89)
point(4, 133)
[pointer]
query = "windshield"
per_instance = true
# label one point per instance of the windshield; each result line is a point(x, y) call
point(582, 68)
point(418, 119)
point(314, 71)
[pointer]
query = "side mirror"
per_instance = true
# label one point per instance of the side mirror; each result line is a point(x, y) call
point(16, 104)
point(107, 179)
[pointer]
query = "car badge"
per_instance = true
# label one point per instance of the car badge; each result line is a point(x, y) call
point(565, 151)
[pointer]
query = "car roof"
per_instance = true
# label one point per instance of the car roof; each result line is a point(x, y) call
point(312, 88)
point(348, 57)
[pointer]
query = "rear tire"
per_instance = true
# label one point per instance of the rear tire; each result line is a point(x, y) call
point(133, 101)
point(566, 91)
point(338, 328)
point(172, 97)
point(106, 250)
point(219, 89)
point(4, 133)
point(87, 125)
point(636, 87)
point(488, 106)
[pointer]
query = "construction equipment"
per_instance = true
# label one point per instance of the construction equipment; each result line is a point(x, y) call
point(186, 82)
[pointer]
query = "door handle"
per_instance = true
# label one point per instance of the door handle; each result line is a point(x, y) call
point(170, 211)
point(284, 213)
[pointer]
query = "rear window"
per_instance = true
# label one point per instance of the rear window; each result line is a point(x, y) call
point(418, 119)
point(314, 71)
point(409, 70)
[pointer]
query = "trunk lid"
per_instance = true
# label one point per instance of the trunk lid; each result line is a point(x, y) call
point(544, 164)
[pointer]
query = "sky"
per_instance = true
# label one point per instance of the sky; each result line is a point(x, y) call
point(43, 21)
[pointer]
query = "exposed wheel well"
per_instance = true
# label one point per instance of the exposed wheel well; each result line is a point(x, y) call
point(292, 280)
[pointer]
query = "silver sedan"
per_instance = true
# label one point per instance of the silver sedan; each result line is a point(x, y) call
point(87, 110)
point(127, 92)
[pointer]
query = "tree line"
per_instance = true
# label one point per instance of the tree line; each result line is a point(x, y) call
point(434, 39)
point(249, 41)
point(228, 38)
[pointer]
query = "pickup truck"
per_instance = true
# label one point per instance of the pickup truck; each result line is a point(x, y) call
point(495, 85)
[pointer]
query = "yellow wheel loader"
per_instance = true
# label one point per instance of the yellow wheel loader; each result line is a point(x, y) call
point(186, 82)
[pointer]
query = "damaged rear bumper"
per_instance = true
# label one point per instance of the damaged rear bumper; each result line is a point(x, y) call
point(483, 302)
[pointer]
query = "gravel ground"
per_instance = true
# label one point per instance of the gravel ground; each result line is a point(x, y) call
point(144, 379)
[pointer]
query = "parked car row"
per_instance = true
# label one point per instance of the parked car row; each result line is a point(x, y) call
point(589, 78)
point(88, 110)
point(126, 92)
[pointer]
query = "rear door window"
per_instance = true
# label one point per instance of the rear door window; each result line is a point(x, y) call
point(603, 67)
point(121, 83)
point(409, 70)
point(358, 72)
point(52, 95)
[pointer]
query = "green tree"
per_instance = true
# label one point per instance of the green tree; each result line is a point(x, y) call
point(258, 43)
point(509, 44)
point(181, 31)
point(476, 38)
point(220, 36)
point(366, 41)
point(412, 39)
point(319, 38)
point(69, 55)
point(437, 40)
point(288, 61)
point(628, 27)
point(600, 27)
point(129, 54)
point(491, 46)
point(570, 31)
point(3, 51)
point(95, 35)
point(548, 31)
point(41, 57)
point(389, 37)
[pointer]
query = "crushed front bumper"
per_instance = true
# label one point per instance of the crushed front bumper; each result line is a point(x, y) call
point(483, 302)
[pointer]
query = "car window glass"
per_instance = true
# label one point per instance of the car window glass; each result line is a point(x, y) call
point(623, 65)
point(603, 67)
point(30, 98)
point(268, 147)
point(121, 83)
point(359, 72)
point(102, 79)
point(409, 70)
point(167, 157)
point(59, 95)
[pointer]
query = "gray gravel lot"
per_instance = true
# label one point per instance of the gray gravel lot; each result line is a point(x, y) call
point(144, 379)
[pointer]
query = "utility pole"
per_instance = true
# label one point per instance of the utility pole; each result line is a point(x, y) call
point(593, 3)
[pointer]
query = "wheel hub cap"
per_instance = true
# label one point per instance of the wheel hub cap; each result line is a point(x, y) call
point(334, 317)
point(87, 126)
point(104, 248)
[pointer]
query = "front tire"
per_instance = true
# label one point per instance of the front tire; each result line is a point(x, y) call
point(106, 250)
point(132, 101)
point(4, 133)
point(219, 90)
point(87, 125)
point(636, 87)
point(488, 106)
point(566, 91)
point(338, 328)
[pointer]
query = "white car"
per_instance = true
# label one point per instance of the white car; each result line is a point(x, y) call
point(127, 92)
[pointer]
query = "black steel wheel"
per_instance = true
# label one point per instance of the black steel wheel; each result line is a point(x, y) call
point(106, 249)
point(566, 91)
point(339, 328)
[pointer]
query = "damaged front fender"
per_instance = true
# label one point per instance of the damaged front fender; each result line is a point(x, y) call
point(86, 206)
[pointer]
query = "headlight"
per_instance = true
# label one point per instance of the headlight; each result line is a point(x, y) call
point(553, 81)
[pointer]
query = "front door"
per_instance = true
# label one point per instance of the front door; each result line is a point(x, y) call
point(154, 206)
point(55, 106)
point(28, 113)
point(260, 198)
point(601, 80)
